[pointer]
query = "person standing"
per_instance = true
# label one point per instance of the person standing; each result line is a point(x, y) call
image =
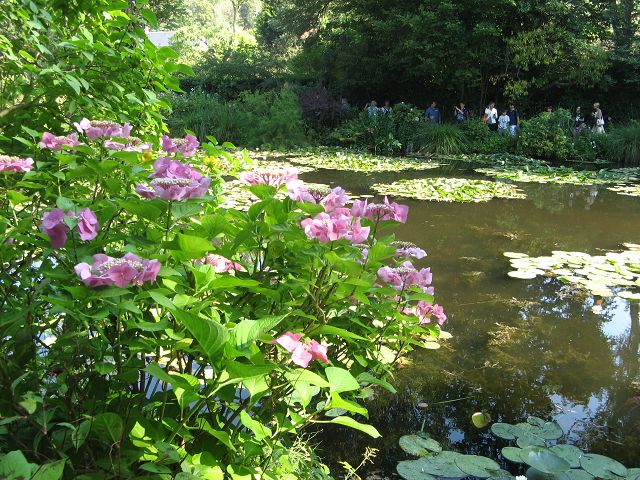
point(460, 113)
point(491, 116)
point(514, 120)
point(503, 124)
point(579, 124)
point(373, 108)
point(432, 114)
point(386, 108)
point(599, 118)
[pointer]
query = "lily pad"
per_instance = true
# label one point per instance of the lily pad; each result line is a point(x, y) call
point(570, 453)
point(544, 460)
point(530, 440)
point(413, 470)
point(515, 255)
point(602, 467)
point(476, 466)
point(443, 465)
point(550, 431)
point(633, 474)
point(630, 190)
point(578, 474)
point(449, 189)
point(418, 445)
point(560, 175)
point(512, 454)
point(480, 419)
point(504, 430)
point(523, 274)
point(359, 162)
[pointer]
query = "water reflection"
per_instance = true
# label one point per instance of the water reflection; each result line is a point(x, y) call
point(520, 347)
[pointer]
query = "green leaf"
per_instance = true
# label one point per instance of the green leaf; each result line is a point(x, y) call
point(480, 419)
point(49, 471)
point(249, 330)
point(307, 376)
point(108, 426)
point(351, 423)
point(210, 334)
point(194, 247)
point(350, 406)
point(14, 465)
point(161, 299)
point(340, 380)
point(602, 467)
point(173, 379)
point(418, 445)
point(544, 460)
point(366, 377)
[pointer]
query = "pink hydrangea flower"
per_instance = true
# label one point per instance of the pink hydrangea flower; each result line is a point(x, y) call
point(326, 228)
point(15, 164)
point(185, 146)
point(53, 225)
point(102, 128)
point(302, 353)
point(408, 249)
point(221, 264)
point(174, 180)
point(121, 272)
point(131, 144)
point(88, 224)
point(274, 177)
point(318, 194)
point(380, 211)
point(425, 311)
point(405, 276)
point(55, 143)
point(357, 233)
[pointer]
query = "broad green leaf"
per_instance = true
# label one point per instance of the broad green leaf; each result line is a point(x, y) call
point(340, 380)
point(350, 422)
point(210, 334)
point(49, 471)
point(249, 330)
point(108, 426)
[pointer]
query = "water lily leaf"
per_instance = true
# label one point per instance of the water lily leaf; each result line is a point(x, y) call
point(550, 431)
point(535, 474)
point(570, 453)
point(530, 440)
point(515, 255)
point(544, 460)
point(504, 430)
point(578, 474)
point(512, 454)
point(413, 470)
point(633, 474)
point(523, 274)
point(418, 446)
point(476, 466)
point(443, 465)
point(629, 295)
point(602, 467)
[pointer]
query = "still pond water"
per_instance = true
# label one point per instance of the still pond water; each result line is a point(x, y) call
point(519, 347)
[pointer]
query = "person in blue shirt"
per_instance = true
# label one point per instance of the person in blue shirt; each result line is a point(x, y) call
point(432, 114)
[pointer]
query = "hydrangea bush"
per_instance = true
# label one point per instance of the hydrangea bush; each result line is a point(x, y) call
point(148, 333)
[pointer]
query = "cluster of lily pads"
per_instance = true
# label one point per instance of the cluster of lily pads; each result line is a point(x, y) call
point(545, 462)
point(492, 159)
point(561, 175)
point(360, 162)
point(449, 189)
point(630, 190)
point(598, 274)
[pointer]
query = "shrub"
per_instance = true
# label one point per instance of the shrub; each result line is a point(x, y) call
point(442, 140)
point(624, 144)
point(482, 140)
point(548, 136)
point(156, 335)
point(255, 119)
point(320, 109)
point(366, 132)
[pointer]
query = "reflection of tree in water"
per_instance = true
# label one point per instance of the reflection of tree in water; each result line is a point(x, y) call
point(617, 421)
point(508, 358)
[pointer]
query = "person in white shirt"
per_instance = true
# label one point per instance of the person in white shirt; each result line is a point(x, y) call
point(503, 124)
point(491, 116)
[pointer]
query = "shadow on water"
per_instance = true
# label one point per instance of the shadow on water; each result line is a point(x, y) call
point(519, 347)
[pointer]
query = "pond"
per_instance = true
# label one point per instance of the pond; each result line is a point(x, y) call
point(519, 347)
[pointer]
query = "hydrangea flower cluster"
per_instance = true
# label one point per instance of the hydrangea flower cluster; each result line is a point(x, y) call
point(380, 211)
point(120, 272)
point(54, 226)
point(15, 164)
point(425, 311)
point(336, 222)
point(221, 264)
point(302, 353)
point(274, 177)
point(408, 249)
point(174, 180)
point(55, 143)
point(405, 276)
point(102, 128)
point(128, 144)
point(185, 146)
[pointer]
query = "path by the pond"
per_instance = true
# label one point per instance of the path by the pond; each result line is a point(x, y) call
point(519, 347)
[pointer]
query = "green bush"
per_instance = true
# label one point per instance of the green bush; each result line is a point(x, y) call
point(548, 136)
point(483, 140)
point(375, 133)
point(271, 118)
point(624, 143)
point(443, 140)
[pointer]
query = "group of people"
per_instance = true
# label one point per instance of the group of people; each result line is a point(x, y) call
point(507, 123)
